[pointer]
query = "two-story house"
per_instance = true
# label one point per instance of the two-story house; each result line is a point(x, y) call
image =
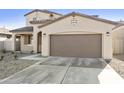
point(71, 35)
point(4, 34)
point(26, 34)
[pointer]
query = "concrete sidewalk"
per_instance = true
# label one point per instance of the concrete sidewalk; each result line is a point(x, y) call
point(64, 70)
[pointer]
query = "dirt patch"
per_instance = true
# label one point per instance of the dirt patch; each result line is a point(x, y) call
point(10, 64)
point(11, 55)
point(9, 68)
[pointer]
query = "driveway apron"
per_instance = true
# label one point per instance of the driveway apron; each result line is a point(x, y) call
point(61, 70)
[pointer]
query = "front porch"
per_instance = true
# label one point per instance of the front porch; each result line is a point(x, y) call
point(26, 41)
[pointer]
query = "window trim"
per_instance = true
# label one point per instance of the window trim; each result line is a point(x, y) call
point(27, 39)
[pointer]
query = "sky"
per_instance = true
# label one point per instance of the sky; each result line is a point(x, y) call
point(14, 18)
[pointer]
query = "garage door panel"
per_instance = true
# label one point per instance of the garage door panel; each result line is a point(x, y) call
point(75, 45)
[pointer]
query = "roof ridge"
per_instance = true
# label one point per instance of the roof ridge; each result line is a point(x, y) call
point(83, 15)
point(41, 10)
point(102, 19)
point(117, 26)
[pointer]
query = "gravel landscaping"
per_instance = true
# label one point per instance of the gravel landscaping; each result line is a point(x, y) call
point(10, 64)
point(118, 66)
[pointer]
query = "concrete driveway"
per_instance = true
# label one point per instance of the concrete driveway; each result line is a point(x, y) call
point(63, 70)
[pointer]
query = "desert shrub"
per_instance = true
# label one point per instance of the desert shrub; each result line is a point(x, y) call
point(1, 58)
point(12, 52)
point(15, 56)
point(32, 52)
point(3, 51)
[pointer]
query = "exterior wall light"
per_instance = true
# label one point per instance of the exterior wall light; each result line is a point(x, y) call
point(44, 34)
point(108, 33)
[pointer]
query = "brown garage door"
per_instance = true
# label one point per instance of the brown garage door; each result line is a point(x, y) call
point(86, 45)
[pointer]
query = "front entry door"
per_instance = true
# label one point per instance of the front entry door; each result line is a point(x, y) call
point(18, 43)
point(39, 42)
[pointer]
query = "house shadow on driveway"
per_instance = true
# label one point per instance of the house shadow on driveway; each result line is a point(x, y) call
point(121, 57)
point(85, 71)
point(60, 70)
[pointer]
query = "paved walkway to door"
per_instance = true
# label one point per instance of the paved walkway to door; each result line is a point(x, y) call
point(65, 70)
point(33, 57)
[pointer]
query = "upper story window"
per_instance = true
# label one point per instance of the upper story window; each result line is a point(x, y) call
point(34, 19)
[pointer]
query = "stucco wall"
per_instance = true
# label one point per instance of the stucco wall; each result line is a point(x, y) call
point(83, 26)
point(118, 41)
point(6, 44)
point(25, 48)
point(1, 45)
point(39, 15)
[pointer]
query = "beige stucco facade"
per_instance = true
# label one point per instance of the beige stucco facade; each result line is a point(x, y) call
point(33, 46)
point(66, 25)
point(118, 40)
point(83, 26)
point(24, 48)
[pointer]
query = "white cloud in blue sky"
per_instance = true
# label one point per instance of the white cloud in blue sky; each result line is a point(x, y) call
point(14, 18)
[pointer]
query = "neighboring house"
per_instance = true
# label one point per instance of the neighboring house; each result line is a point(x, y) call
point(73, 35)
point(5, 39)
point(4, 34)
point(118, 39)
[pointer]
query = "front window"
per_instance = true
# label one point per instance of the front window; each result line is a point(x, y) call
point(27, 39)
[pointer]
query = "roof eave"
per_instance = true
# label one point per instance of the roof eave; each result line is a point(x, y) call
point(38, 10)
point(20, 31)
point(23, 29)
point(118, 27)
point(83, 15)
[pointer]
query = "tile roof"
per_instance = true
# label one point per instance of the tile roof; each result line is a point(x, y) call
point(23, 29)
